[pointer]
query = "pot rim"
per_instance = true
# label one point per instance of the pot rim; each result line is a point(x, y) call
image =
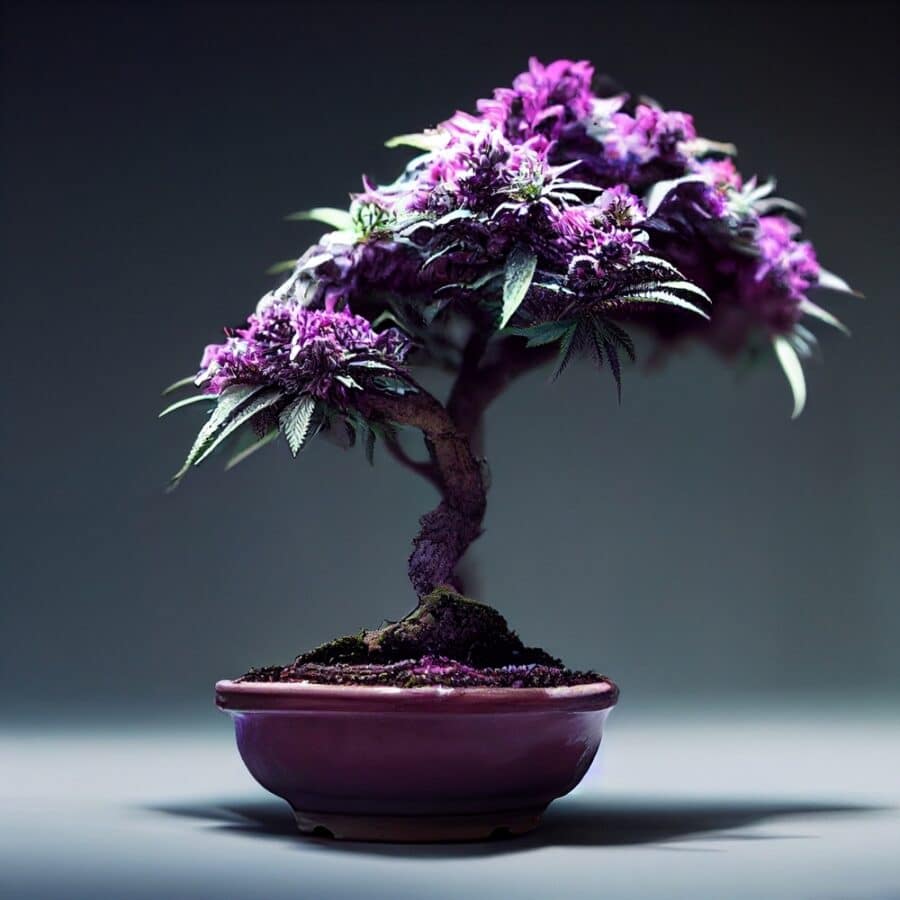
point(304, 696)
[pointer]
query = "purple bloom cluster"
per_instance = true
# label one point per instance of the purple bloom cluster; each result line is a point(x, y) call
point(550, 166)
point(321, 353)
point(608, 208)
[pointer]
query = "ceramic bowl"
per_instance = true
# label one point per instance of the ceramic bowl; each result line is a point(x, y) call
point(416, 764)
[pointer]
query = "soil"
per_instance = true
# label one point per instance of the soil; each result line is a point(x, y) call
point(447, 640)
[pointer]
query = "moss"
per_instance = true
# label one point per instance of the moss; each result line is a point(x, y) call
point(444, 624)
point(349, 649)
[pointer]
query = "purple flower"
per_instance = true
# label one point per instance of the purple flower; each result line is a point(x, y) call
point(542, 101)
point(321, 353)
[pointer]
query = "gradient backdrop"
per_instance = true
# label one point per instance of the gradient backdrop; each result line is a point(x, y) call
point(692, 540)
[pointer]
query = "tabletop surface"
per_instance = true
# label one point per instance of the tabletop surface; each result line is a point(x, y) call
point(764, 803)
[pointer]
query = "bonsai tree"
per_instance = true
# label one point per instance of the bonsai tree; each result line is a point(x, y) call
point(549, 225)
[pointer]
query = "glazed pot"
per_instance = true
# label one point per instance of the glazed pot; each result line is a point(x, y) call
point(416, 764)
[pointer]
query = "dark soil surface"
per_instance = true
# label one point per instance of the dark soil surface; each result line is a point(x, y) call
point(447, 640)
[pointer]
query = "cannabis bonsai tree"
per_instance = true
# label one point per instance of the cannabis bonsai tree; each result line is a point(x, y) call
point(551, 224)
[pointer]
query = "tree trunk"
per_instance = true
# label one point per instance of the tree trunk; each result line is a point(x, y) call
point(446, 532)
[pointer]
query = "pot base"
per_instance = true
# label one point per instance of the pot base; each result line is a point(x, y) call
point(419, 829)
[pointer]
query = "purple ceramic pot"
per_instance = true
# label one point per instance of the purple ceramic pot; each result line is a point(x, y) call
point(416, 764)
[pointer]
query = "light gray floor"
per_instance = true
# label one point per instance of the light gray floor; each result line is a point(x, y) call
point(762, 803)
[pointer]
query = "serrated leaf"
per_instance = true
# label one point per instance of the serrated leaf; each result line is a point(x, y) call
point(187, 401)
point(182, 382)
point(665, 297)
point(517, 275)
point(256, 404)
point(687, 286)
point(428, 140)
point(279, 268)
point(567, 348)
point(338, 219)
point(661, 190)
point(227, 402)
point(621, 338)
point(251, 448)
point(657, 262)
point(296, 422)
point(813, 309)
point(793, 370)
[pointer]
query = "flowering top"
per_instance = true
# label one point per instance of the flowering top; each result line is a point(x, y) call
point(322, 353)
point(556, 214)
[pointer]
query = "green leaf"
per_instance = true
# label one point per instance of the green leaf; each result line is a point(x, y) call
point(338, 219)
point(670, 299)
point(187, 401)
point(661, 190)
point(482, 280)
point(833, 282)
point(251, 447)
point(394, 385)
point(279, 268)
point(813, 309)
point(657, 263)
point(296, 421)
point(370, 446)
point(228, 401)
point(542, 333)
point(260, 401)
point(428, 140)
point(182, 382)
point(687, 286)
point(566, 349)
point(517, 276)
point(793, 371)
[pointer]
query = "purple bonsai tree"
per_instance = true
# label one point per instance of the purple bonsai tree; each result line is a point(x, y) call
point(548, 225)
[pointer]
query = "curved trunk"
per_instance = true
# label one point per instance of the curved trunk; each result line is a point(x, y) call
point(446, 532)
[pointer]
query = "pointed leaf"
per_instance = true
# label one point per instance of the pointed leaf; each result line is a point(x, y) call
point(793, 371)
point(428, 140)
point(296, 421)
point(182, 382)
point(567, 348)
point(664, 297)
point(251, 448)
point(228, 401)
point(338, 219)
point(187, 401)
point(833, 282)
point(657, 262)
point(517, 277)
point(661, 190)
point(279, 268)
point(264, 399)
point(816, 311)
point(542, 333)
point(687, 286)
point(370, 446)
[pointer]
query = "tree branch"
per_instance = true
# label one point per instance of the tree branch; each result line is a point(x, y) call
point(477, 388)
point(424, 468)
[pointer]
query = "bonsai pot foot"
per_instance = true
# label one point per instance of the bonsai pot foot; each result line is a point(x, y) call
point(419, 829)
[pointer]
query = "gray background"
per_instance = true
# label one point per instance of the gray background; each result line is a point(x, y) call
point(693, 540)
